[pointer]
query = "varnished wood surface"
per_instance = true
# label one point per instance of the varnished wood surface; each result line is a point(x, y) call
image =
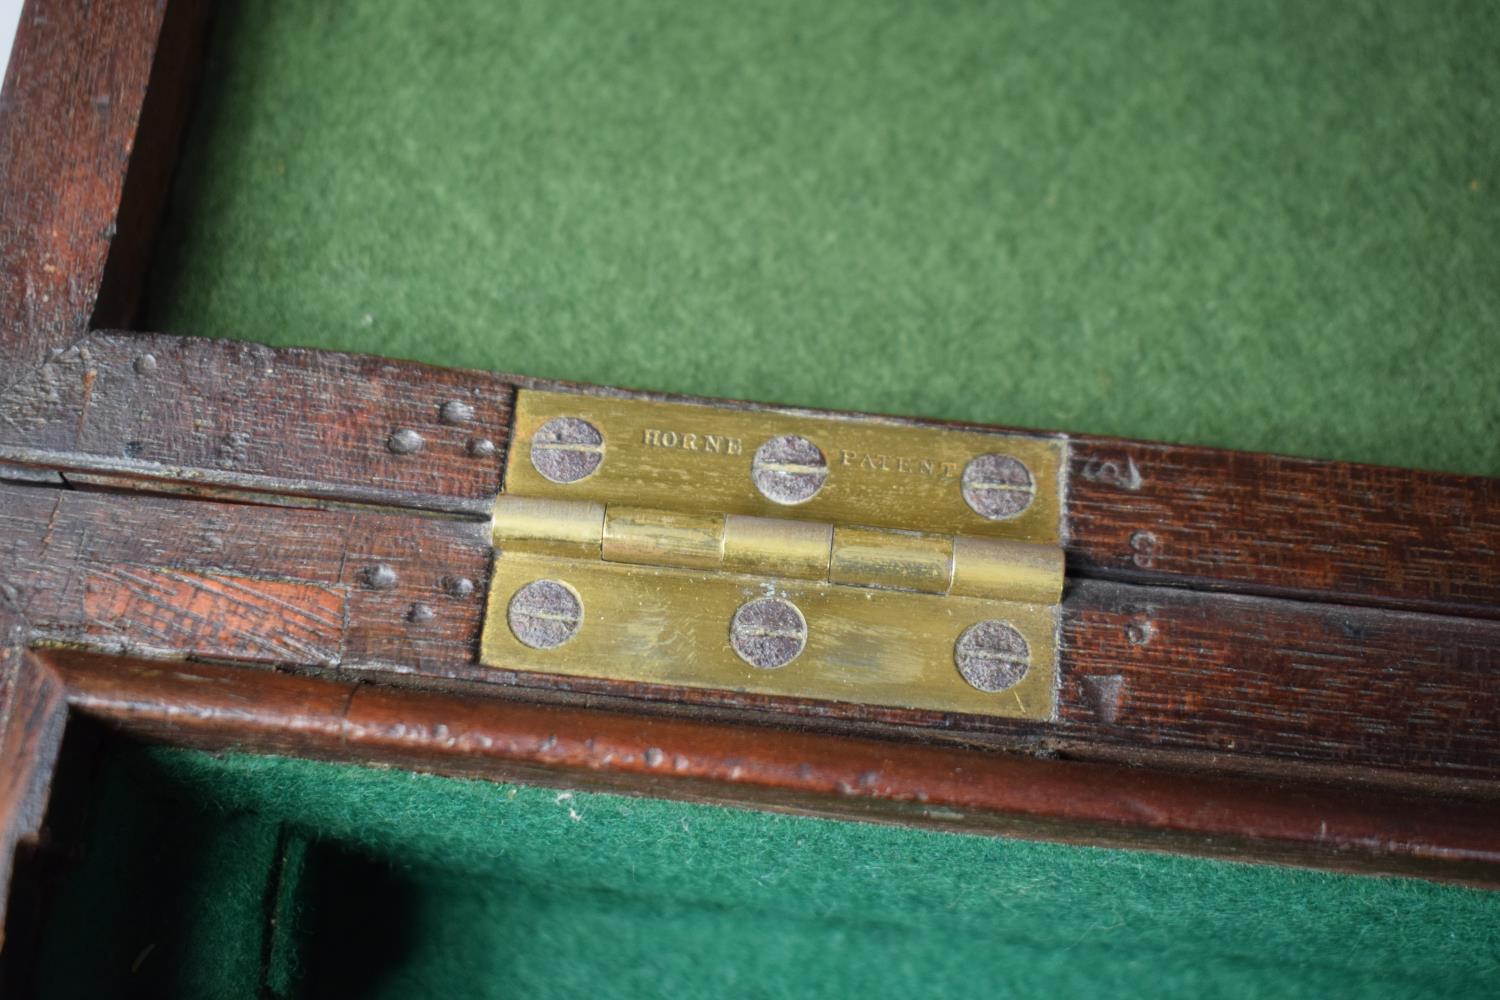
point(953, 788)
point(68, 116)
point(1268, 684)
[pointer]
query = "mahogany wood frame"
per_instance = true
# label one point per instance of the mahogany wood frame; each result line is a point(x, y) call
point(1263, 657)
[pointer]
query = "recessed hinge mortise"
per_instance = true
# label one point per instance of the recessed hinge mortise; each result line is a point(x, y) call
point(797, 555)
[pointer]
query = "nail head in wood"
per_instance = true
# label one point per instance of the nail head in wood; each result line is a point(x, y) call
point(380, 577)
point(456, 411)
point(405, 442)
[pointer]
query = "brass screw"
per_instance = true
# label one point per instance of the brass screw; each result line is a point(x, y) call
point(567, 449)
point(545, 613)
point(768, 633)
point(992, 656)
point(997, 486)
point(789, 469)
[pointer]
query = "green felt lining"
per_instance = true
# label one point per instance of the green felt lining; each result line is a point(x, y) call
point(283, 878)
point(1268, 226)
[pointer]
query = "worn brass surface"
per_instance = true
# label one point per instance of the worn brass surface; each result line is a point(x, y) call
point(656, 625)
point(769, 546)
point(565, 527)
point(880, 558)
point(666, 535)
point(891, 560)
point(665, 538)
point(696, 458)
point(1019, 571)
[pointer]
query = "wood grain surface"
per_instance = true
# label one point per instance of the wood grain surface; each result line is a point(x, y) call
point(33, 712)
point(1267, 524)
point(1258, 683)
point(226, 414)
point(967, 789)
point(71, 104)
point(174, 577)
point(193, 413)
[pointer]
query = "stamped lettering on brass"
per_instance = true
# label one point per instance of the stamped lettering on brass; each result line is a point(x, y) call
point(903, 465)
point(711, 444)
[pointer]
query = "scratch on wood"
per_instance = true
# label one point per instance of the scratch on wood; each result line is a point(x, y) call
point(261, 620)
point(89, 376)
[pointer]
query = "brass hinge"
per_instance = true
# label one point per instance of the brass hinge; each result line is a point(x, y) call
point(775, 552)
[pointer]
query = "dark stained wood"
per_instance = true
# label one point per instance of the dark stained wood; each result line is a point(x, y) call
point(1312, 730)
point(1325, 531)
point(33, 711)
point(953, 788)
point(173, 577)
point(1179, 669)
point(68, 118)
point(1146, 672)
point(229, 414)
point(153, 161)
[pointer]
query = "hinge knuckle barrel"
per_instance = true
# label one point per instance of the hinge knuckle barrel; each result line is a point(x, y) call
point(556, 527)
point(891, 560)
point(777, 547)
point(659, 537)
point(849, 555)
point(1017, 571)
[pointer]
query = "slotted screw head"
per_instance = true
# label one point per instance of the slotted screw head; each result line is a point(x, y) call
point(997, 486)
point(768, 633)
point(991, 655)
point(567, 449)
point(789, 469)
point(545, 613)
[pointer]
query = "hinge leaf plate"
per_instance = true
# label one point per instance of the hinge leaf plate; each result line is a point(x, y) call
point(657, 625)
